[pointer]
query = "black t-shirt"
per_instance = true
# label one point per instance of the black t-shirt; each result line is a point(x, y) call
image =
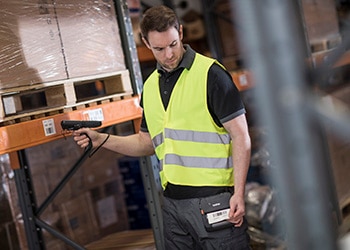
point(224, 104)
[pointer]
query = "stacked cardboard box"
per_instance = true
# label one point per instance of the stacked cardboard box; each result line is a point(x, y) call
point(45, 41)
point(90, 36)
point(30, 45)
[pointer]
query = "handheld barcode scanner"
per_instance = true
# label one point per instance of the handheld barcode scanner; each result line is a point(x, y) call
point(71, 125)
point(75, 125)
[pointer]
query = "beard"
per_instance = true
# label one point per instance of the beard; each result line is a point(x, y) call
point(173, 64)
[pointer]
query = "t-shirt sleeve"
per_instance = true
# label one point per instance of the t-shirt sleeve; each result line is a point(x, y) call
point(143, 126)
point(224, 100)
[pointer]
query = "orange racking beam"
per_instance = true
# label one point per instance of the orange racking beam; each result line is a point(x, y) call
point(31, 133)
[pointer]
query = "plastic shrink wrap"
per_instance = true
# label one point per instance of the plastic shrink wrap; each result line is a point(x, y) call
point(51, 40)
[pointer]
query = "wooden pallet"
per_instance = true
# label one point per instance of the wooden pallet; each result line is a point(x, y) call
point(59, 110)
point(45, 98)
point(127, 240)
point(325, 44)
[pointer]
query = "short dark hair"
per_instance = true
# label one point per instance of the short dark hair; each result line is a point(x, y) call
point(158, 18)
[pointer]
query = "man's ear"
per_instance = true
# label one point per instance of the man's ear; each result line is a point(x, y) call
point(181, 32)
point(146, 43)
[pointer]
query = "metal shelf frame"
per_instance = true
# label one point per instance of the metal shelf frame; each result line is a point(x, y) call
point(31, 212)
point(15, 138)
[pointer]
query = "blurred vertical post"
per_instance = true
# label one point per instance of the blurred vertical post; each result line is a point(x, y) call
point(273, 44)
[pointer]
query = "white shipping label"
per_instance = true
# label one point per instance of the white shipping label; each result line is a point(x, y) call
point(93, 115)
point(217, 216)
point(49, 127)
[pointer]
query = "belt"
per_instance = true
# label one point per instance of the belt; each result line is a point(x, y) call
point(179, 192)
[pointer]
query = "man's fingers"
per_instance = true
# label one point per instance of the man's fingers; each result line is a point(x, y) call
point(239, 223)
point(82, 140)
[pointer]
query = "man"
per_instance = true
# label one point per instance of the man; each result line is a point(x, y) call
point(194, 120)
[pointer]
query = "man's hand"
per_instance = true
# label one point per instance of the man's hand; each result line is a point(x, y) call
point(84, 135)
point(237, 210)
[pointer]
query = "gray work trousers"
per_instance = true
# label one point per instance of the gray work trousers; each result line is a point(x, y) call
point(184, 229)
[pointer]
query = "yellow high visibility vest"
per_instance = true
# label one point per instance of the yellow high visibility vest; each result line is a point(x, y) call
point(191, 148)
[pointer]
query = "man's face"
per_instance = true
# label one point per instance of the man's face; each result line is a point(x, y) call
point(167, 47)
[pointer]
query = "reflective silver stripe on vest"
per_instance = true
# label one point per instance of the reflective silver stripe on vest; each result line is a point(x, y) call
point(157, 140)
point(161, 165)
point(198, 162)
point(194, 136)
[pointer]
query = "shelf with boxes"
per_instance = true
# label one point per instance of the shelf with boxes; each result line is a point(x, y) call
point(76, 61)
point(59, 54)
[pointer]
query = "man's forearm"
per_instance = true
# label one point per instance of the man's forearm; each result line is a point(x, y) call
point(133, 145)
point(241, 150)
